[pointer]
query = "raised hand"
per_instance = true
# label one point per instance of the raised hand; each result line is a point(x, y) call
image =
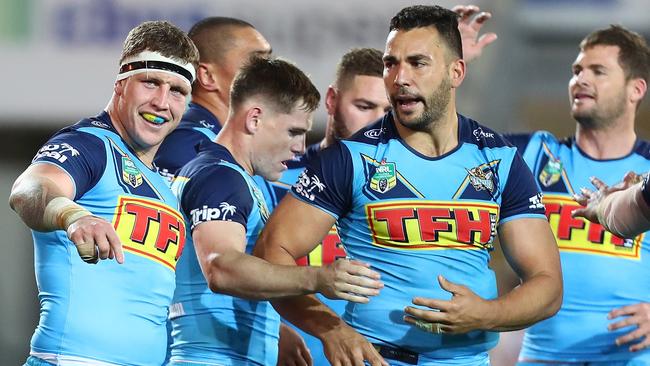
point(469, 24)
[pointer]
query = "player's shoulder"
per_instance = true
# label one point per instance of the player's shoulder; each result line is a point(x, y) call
point(215, 163)
point(84, 134)
point(537, 140)
point(473, 132)
point(376, 133)
point(642, 148)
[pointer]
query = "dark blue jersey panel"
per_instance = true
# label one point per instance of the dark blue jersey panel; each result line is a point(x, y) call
point(332, 168)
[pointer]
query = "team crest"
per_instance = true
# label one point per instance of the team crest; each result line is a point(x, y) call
point(481, 179)
point(261, 204)
point(384, 178)
point(551, 173)
point(131, 175)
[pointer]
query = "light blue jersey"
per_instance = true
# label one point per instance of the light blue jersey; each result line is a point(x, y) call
point(413, 217)
point(329, 250)
point(107, 313)
point(211, 328)
point(601, 272)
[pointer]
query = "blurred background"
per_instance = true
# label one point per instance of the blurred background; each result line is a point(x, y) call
point(58, 61)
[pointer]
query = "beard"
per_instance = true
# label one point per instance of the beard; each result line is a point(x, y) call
point(601, 117)
point(435, 106)
point(339, 128)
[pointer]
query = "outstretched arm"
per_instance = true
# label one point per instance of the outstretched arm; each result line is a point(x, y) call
point(622, 209)
point(220, 248)
point(42, 197)
point(292, 231)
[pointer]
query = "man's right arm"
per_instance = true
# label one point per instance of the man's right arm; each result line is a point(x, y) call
point(42, 197)
point(282, 245)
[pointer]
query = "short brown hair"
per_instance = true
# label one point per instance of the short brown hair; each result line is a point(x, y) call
point(278, 81)
point(359, 61)
point(634, 55)
point(163, 37)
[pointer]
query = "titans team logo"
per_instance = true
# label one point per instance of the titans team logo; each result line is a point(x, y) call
point(131, 175)
point(551, 173)
point(384, 178)
point(481, 182)
point(481, 179)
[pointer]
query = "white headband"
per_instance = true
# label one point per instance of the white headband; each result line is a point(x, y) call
point(154, 61)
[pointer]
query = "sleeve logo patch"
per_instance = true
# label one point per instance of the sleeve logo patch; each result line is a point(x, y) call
point(58, 152)
point(308, 185)
point(224, 212)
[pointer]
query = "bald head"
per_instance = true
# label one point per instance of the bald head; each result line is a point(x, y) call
point(215, 37)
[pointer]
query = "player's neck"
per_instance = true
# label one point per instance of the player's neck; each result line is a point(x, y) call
point(441, 138)
point(146, 155)
point(214, 104)
point(612, 142)
point(239, 146)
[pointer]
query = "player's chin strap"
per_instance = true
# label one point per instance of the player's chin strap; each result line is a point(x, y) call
point(153, 61)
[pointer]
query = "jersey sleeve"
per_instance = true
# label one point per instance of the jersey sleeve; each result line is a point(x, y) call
point(181, 146)
point(521, 197)
point(80, 154)
point(518, 140)
point(326, 182)
point(217, 193)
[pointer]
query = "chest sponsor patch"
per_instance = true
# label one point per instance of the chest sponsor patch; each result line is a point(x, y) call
point(150, 229)
point(582, 236)
point(427, 225)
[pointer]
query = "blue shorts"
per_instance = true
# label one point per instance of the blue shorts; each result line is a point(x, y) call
point(603, 363)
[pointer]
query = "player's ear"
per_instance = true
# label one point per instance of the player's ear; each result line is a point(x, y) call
point(253, 118)
point(457, 72)
point(330, 100)
point(637, 89)
point(118, 88)
point(206, 77)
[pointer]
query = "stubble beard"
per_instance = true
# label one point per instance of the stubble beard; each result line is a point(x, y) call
point(435, 107)
point(601, 118)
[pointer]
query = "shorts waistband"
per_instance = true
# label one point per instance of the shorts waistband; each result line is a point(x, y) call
point(397, 354)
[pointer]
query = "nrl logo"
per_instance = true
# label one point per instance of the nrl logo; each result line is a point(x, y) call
point(551, 173)
point(131, 175)
point(385, 177)
point(481, 179)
